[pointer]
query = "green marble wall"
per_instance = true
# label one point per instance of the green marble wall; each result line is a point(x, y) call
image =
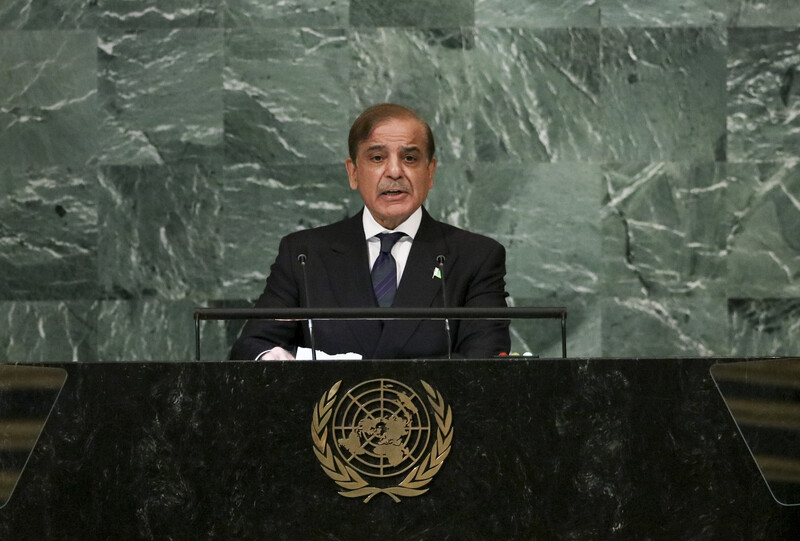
point(639, 160)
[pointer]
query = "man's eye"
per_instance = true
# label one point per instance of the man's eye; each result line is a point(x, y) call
point(376, 158)
point(411, 159)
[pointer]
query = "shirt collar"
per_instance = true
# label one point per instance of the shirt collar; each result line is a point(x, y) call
point(409, 227)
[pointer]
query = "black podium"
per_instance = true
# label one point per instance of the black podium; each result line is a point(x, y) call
point(514, 449)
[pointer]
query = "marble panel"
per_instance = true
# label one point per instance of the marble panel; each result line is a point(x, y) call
point(537, 95)
point(450, 197)
point(69, 14)
point(158, 14)
point(666, 228)
point(48, 98)
point(48, 234)
point(48, 331)
point(666, 327)
point(768, 327)
point(217, 337)
point(260, 205)
point(542, 337)
point(159, 232)
point(764, 13)
point(537, 13)
point(290, 13)
point(764, 258)
point(286, 96)
point(418, 13)
point(161, 96)
point(156, 329)
point(657, 13)
point(763, 94)
point(664, 94)
point(548, 218)
point(14, 14)
point(423, 69)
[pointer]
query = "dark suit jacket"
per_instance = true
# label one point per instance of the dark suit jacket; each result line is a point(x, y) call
point(339, 276)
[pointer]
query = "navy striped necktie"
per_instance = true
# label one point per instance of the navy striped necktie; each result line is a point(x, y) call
point(384, 271)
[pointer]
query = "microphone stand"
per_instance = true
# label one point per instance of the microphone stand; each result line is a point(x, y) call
point(302, 259)
point(440, 266)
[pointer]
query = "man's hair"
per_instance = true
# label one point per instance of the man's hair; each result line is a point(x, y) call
point(372, 116)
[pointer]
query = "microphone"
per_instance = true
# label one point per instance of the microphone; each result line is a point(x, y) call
point(440, 264)
point(302, 259)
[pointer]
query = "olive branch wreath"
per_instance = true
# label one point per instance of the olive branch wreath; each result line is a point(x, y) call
point(352, 483)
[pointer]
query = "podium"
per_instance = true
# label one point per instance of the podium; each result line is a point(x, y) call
point(533, 449)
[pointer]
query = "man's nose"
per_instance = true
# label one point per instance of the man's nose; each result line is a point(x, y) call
point(394, 167)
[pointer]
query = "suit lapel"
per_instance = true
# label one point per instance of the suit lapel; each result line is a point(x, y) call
point(347, 265)
point(418, 286)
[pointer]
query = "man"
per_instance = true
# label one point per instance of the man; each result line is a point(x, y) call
point(392, 165)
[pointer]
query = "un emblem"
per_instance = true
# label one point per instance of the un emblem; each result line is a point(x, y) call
point(381, 430)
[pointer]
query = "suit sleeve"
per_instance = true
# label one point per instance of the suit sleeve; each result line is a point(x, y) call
point(281, 291)
point(486, 289)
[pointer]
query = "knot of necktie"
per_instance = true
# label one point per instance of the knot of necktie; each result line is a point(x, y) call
point(388, 240)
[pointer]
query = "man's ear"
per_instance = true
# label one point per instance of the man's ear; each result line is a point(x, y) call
point(351, 173)
point(431, 171)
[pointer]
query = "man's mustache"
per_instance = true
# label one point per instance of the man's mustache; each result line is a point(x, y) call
point(393, 186)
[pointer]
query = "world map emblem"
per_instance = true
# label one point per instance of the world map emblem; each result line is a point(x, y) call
point(382, 437)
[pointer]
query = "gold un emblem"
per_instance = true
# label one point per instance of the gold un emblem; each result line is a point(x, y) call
point(377, 432)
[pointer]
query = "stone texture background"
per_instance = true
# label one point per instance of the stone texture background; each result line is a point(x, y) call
point(639, 160)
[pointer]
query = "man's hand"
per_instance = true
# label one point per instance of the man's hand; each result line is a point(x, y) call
point(276, 354)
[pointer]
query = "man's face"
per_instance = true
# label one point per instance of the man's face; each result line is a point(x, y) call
point(391, 171)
